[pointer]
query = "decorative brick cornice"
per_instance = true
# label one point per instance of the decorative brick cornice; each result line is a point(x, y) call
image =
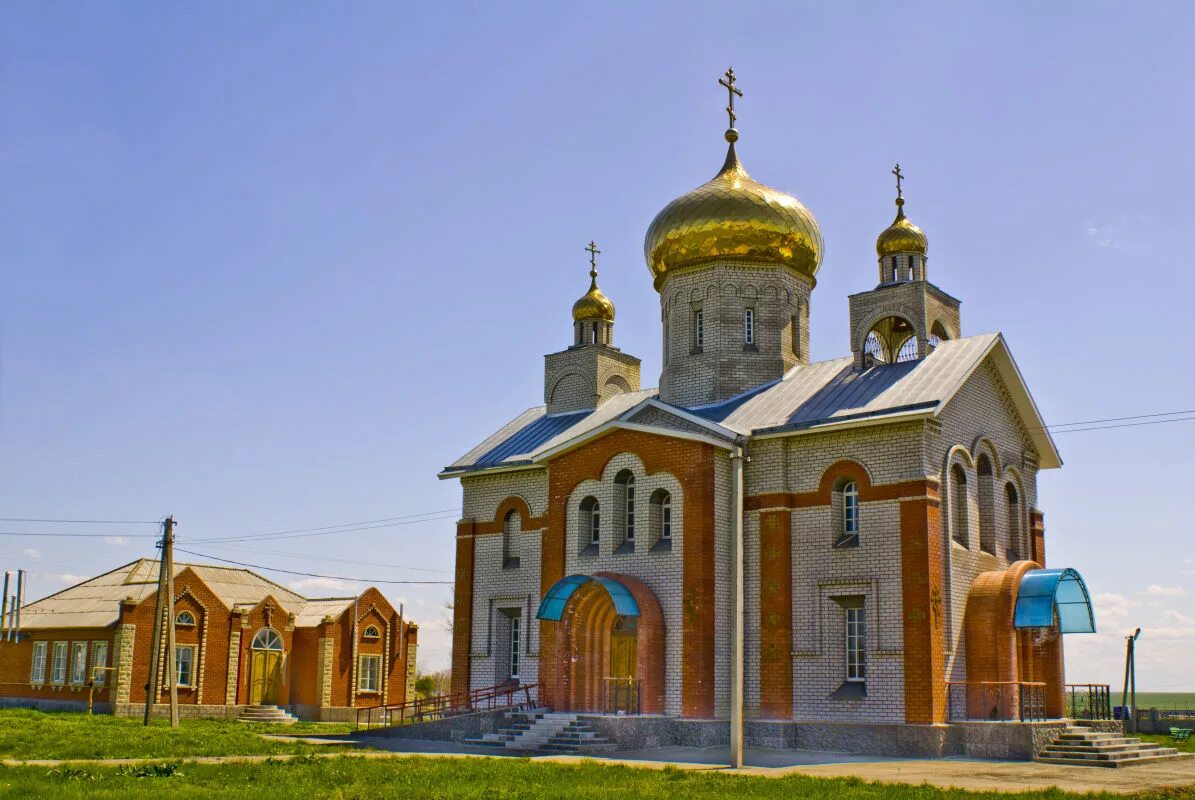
point(512, 503)
point(922, 488)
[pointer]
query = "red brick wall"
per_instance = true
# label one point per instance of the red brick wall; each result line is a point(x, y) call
point(462, 608)
point(775, 615)
point(924, 615)
point(16, 662)
point(692, 464)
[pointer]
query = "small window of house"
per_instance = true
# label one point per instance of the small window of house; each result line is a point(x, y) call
point(184, 618)
point(37, 675)
point(749, 326)
point(987, 503)
point(661, 519)
point(1014, 521)
point(99, 660)
point(591, 520)
point(58, 667)
point(184, 665)
point(856, 644)
point(698, 331)
point(369, 673)
point(958, 505)
point(514, 647)
point(624, 484)
point(846, 510)
point(371, 632)
point(79, 663)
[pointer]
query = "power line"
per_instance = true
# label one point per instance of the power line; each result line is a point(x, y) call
point(1126, 425)
point(312, 574)
point(345, 527)
point(82, 535)
point(1118, 419)
point(87, 521)
point(283, 553)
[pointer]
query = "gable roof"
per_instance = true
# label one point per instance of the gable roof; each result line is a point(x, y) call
point(95, 603)
point(809, 397)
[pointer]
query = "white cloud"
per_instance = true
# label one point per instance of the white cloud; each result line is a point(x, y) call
point(320, 584)
point(1109, 605)
point(1166, 591)
point(31, 552)
point(116, 540)
point(1178, 616)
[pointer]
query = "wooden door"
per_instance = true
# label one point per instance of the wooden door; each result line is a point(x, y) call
point(266, 678)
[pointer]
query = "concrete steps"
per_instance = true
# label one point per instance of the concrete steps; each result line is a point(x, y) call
point(1081, 746)
point(270, 714)
point(542, 730)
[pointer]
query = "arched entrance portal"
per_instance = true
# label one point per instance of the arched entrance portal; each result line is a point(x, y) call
point(609, 654)
point(266, 668)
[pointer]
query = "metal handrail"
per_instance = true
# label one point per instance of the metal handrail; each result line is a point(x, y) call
point(996, 701)
point(1088, 701)
point(622, 695)
point(503, 695)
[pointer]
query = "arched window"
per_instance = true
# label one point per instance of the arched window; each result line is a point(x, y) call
point(845, 505)
point(891, 339)
point(987, 505)
point(873, 348)
point(371, 632)
point(510, 540)
point(661, 517)
point(1014, 522)
point(267, 639)
point(958, 505)
point(591, 520)
point(184, 618)
point(749, 326)
point(624, 494)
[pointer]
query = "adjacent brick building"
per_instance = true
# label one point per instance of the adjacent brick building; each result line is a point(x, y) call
point(240, 640)
point(890, 506)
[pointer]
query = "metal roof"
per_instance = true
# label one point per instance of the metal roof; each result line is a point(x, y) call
point(808, 396)
point(1045, 593)
point(551, 608)
point(95, 603)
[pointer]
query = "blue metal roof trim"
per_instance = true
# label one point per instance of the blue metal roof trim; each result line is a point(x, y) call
point(529, 437)
point(1045, 592)
point(551, 608)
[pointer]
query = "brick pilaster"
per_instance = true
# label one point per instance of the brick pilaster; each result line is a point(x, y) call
point(462, 607)
point(923, 611)
point(234, 658)
point(775, 615)
point(122, 647)
point(1037, 536)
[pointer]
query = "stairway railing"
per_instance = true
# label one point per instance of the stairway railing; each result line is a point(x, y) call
point(1088, 701)
point(426, 709)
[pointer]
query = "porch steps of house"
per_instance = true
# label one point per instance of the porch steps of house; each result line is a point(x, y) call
point(542, 730)
point(1081, 746)
point(272, 714)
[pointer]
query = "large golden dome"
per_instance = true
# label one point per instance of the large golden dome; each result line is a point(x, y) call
point(901, 236)
point(733, 217)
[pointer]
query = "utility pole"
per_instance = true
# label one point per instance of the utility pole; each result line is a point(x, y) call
point(1130, 675)
point(171, 669)
point(164, 605)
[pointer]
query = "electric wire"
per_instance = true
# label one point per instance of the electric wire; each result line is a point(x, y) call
point(242, 549)
point(313, 574)
point(87, 521)
point(346, 527)
point(1116, 419)
point(82, 535)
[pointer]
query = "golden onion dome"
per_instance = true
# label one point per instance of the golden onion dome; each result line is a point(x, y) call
point(593, 305)
point(901, 236)
point(733, 217)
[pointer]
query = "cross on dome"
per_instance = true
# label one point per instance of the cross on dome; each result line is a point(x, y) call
point(731, 91)
point(899, 176)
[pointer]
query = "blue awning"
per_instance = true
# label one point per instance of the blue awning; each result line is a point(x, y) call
point(552, 606)
point(1045, 591)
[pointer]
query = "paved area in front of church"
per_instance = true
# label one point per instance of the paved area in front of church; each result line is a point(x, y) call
point(959, 773)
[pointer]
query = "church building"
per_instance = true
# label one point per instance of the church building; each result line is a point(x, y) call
point(893, 544)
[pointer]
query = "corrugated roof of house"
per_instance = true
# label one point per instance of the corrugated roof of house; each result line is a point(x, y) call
point(95, 603)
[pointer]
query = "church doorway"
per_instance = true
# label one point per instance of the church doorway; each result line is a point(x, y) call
point(608, 647)
point(265, 668)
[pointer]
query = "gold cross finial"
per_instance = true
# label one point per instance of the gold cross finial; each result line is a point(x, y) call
point(896, 171)
point(593, 254)
point(731, 91)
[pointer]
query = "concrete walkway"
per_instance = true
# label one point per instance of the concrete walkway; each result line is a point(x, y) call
point(975, 775)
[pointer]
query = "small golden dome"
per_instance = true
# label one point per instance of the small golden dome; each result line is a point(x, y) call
point(901, 236)
point(733, 217)
point(594, 305)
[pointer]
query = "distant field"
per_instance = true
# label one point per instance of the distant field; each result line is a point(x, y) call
point(1185, 700)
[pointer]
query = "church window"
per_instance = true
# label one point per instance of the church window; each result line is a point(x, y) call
point(184, 665)
point(624, 484)
point(1014, 522)
point(987, 505)
point(370, 672)
point(184, 618)
point(796, 330)
point(856, 644)
point(661, 517)
point(514, 647)
point(845, 506)
point(749, 326)
point(591, 519)
point(371, 632)
point(698, 331)
point(958, 505)
point(510, 540)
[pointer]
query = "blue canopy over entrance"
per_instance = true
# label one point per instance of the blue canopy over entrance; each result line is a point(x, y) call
point(552, 606)
point(1043, 592)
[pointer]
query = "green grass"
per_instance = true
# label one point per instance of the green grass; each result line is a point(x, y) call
point(1163, 739)
point(1184, 700)
point(26, 734)
point(480, 779)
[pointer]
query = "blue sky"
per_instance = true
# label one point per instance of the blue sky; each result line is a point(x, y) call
point(271, 267)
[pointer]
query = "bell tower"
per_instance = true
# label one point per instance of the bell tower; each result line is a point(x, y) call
point(905, 317)
point(592, 369)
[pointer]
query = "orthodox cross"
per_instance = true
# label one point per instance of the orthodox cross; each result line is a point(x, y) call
point(731, 91)
point(896, 171)
point(593, 254)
